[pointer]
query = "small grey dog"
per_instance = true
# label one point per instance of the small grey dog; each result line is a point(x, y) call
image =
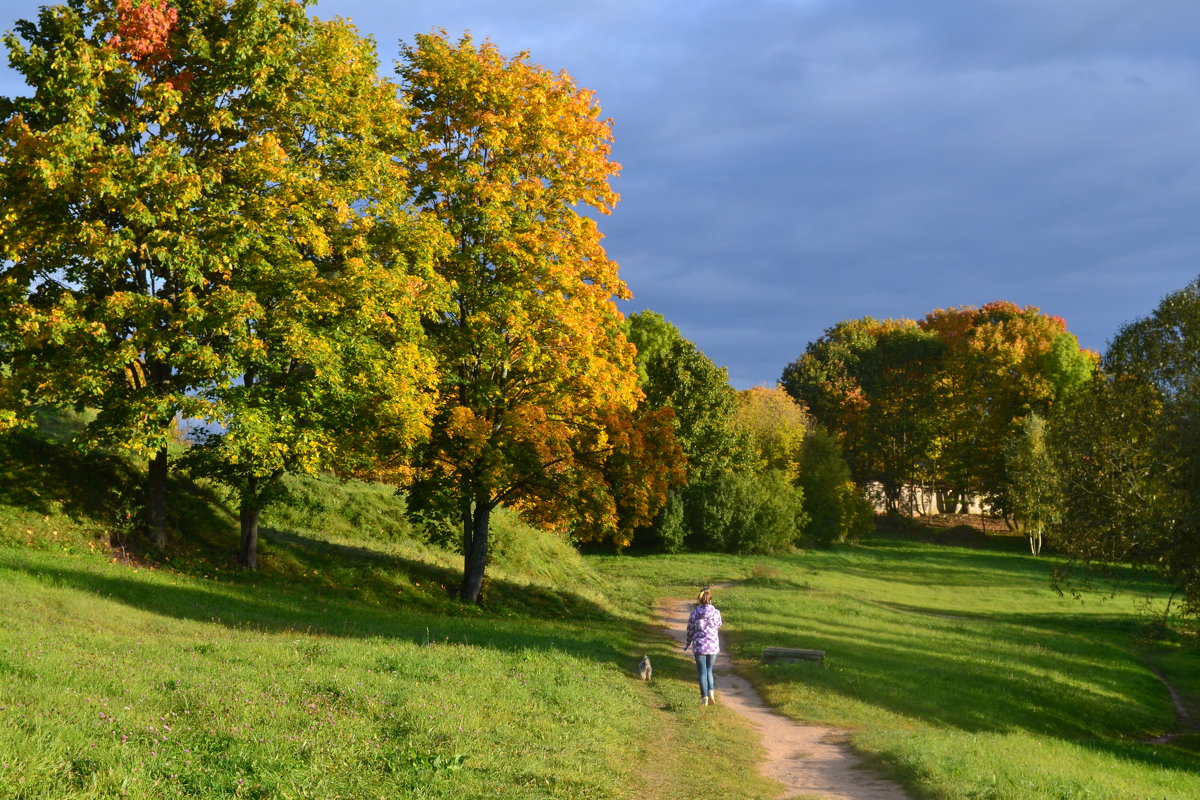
point(644, 669)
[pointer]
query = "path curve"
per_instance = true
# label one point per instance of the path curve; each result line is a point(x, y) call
point(1184, 725)
point(809, 760)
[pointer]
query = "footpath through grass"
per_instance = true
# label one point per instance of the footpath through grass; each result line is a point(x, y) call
point(139, 683)
point(958, 671)
point(344, 668)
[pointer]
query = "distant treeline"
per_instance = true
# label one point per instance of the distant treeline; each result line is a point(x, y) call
point(1098, 456)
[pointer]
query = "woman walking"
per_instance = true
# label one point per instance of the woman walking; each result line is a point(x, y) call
point(702, 638)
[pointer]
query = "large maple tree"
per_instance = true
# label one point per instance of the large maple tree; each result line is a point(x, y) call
point(338, 376)
point(539, 390)
point(187, 200)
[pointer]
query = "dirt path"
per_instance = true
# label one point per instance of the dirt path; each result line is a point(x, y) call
point(809, 760)
point(1184, 724)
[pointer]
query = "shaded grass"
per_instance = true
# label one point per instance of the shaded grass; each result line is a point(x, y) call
point(54, 497)
point(344, 535)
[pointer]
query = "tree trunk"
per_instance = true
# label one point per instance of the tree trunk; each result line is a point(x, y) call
point(156, 500)
point(249, 512)
point(476, 518)
point(1035, 541)
point(891, 497)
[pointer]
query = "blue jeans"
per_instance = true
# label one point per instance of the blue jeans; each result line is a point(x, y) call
point(704, 666)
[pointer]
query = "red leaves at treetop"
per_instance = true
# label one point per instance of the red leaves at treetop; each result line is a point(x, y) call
point(143, 28)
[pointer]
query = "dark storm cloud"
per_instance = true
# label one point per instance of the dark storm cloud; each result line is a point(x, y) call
point(903, 163)
point(791, 164)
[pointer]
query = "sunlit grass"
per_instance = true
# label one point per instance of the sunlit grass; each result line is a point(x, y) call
point(345, 667)
point(959, 671)
point(120, 682)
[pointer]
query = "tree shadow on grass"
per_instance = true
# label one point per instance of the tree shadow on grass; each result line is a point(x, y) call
point(1051, 674)
point(982, 569)
point(1178, 756)
point(373, 573)
point(992, 698)
point(309, 609)
point(45, 477)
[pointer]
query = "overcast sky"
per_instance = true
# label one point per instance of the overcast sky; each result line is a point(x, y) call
point(792, 163)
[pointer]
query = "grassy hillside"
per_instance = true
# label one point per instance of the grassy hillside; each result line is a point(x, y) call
point(343, 669)
point(959, 671)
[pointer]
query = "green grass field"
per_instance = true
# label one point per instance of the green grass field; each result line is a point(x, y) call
point(345, 669)
point(958, 671)
point(120, 682)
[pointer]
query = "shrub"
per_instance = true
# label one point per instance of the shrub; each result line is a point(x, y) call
point(858, 513)
point(746, 512)
point(671, 527)
point(837, 509)
point(765, 572)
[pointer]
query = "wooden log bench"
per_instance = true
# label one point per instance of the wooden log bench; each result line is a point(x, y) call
point(791, 655)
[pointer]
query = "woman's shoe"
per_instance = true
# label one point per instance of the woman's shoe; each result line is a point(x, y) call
point(712, 697)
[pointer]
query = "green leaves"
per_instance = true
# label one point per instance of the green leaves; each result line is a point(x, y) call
point(1126, 447)
point(218, 210)
point(206, 210)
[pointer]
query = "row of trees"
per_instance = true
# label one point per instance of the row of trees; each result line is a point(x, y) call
point(931, 404)
point(1098, 456)
point(1112, 475)
point(761, 476)
point(220, 212)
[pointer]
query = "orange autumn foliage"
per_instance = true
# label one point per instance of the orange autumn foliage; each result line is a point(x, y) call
point(539, 393)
